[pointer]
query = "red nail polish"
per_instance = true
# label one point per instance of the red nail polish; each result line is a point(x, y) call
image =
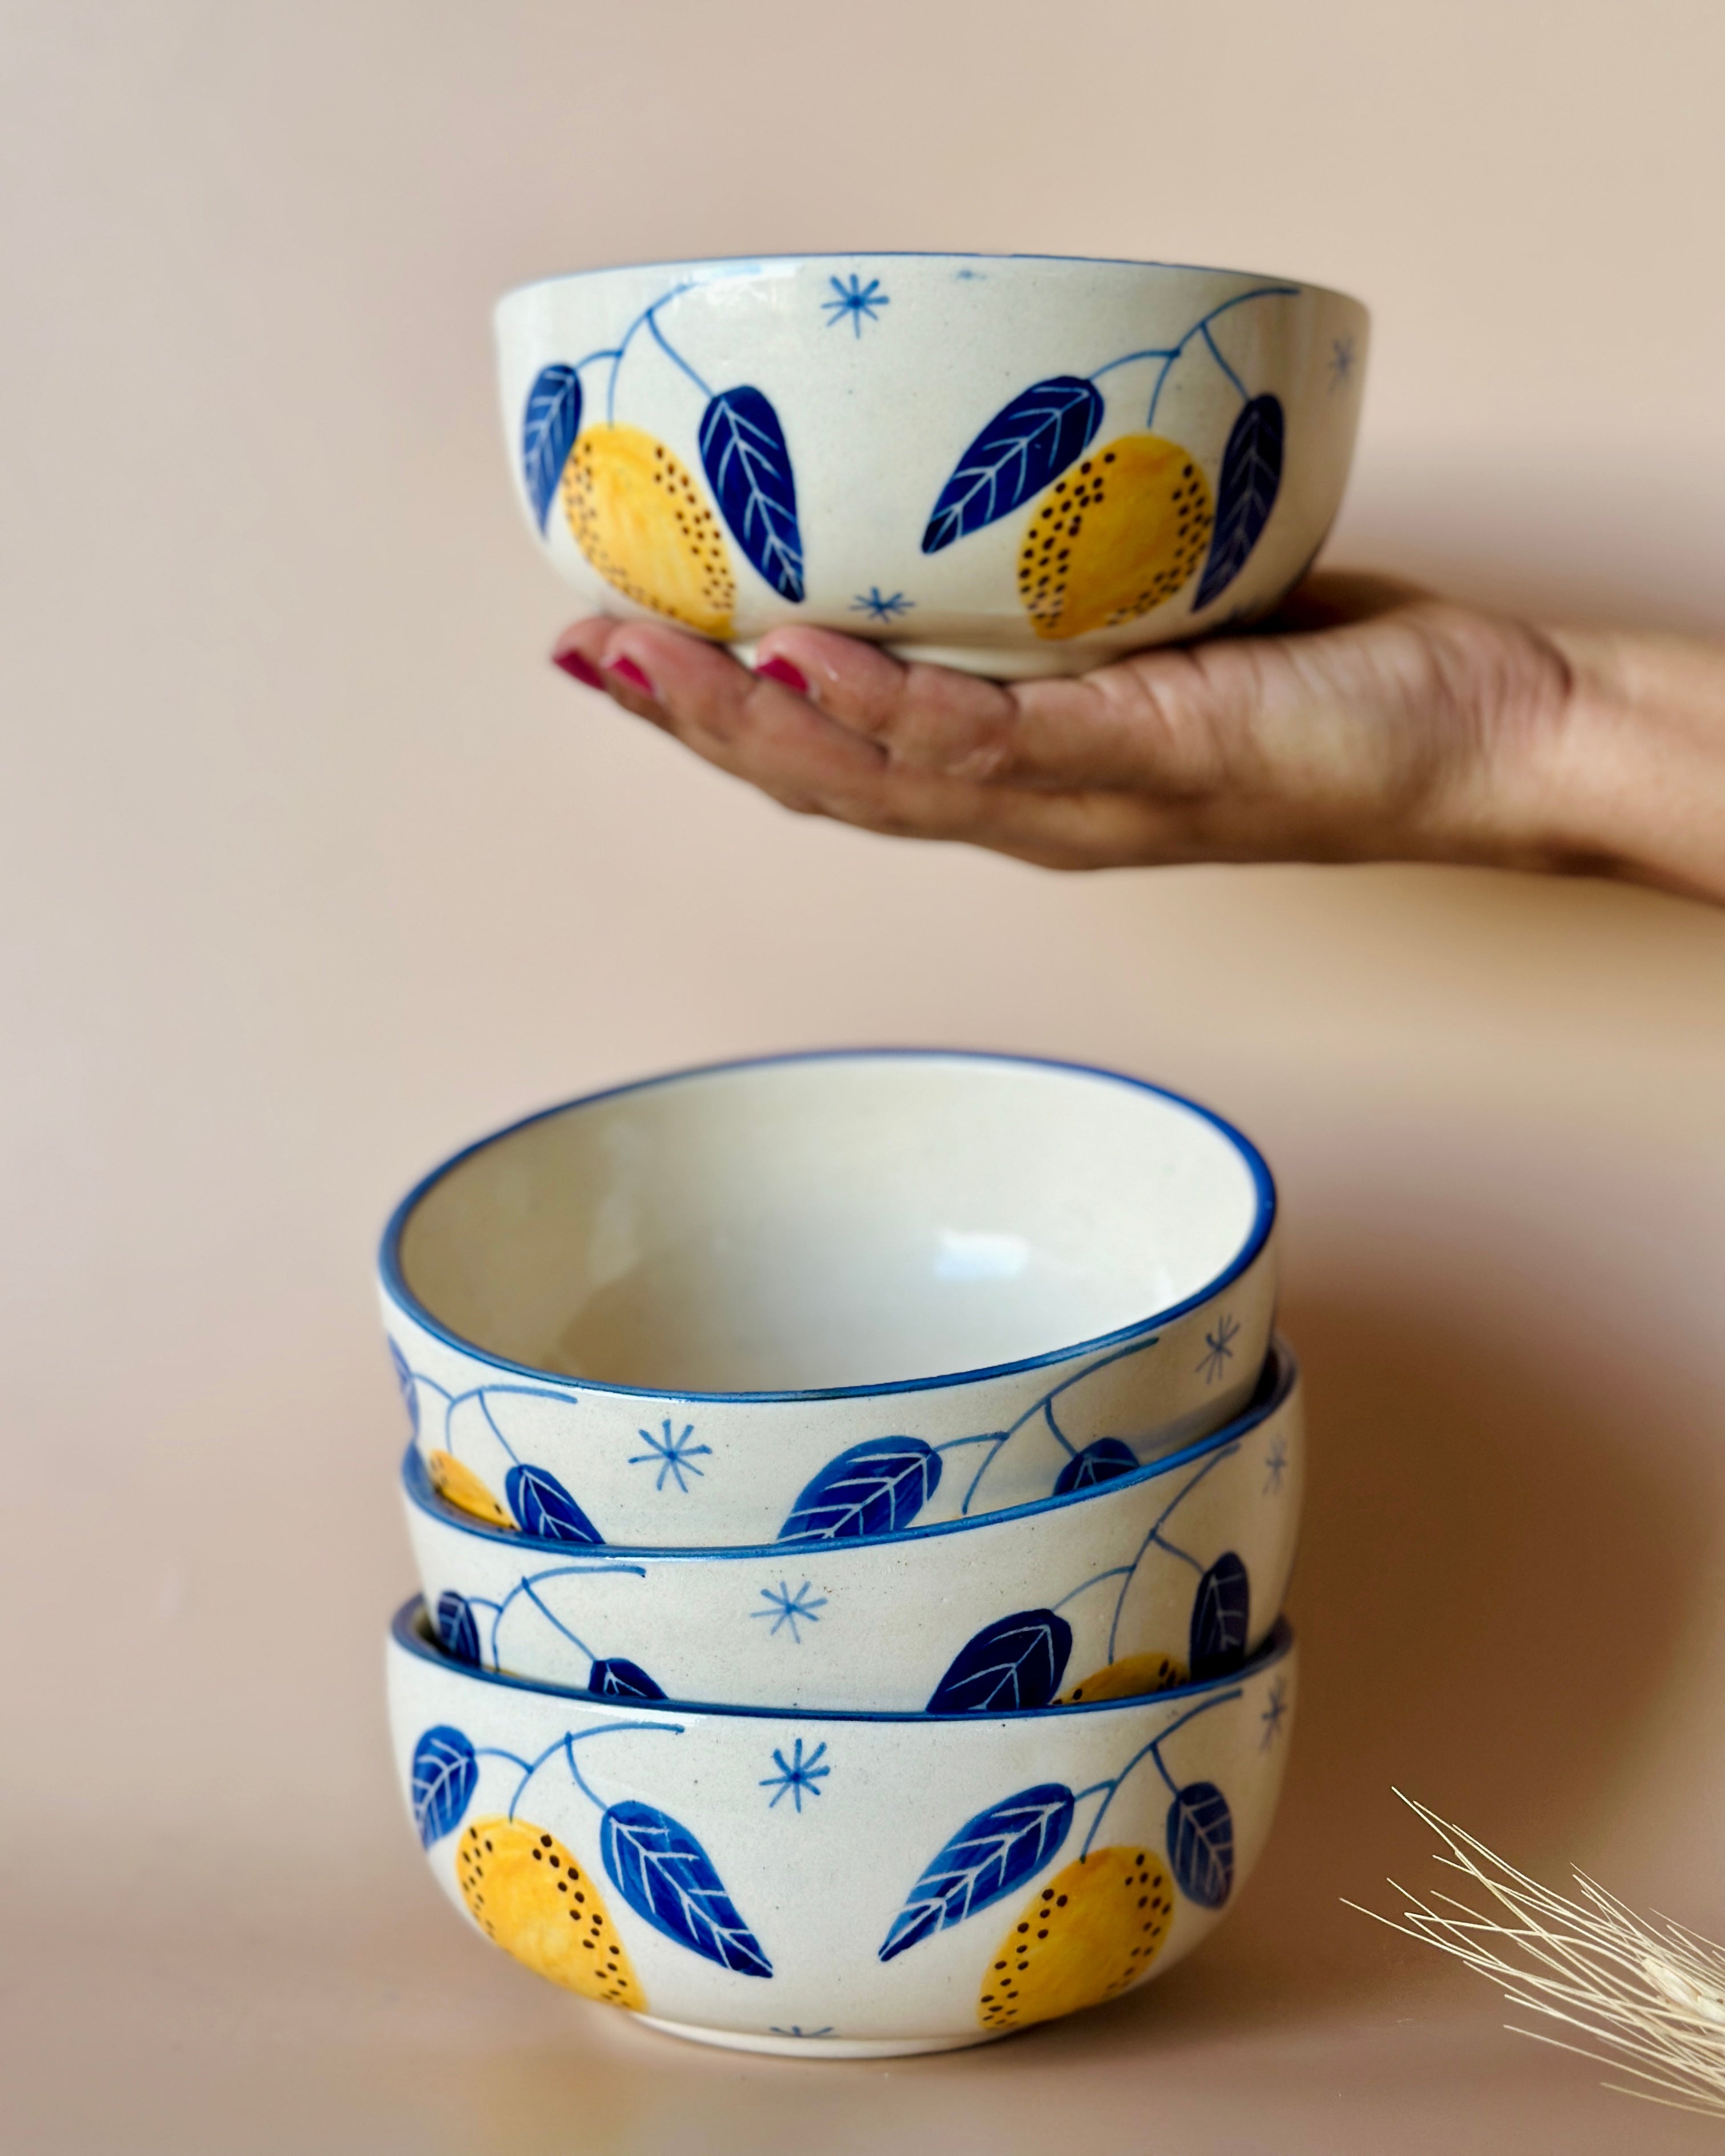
point(580, 669)
point(781, 670)
point(626, 669)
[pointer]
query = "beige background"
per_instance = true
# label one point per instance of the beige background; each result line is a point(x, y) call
point(314, 867)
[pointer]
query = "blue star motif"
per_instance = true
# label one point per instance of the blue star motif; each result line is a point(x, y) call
point(878, 606)
point(1219, 1350)
point(673, 1451)
point(1272, 1716)
point(793, 2030)
point(1275, 1466)
point(1341, 362)
point(856, 300)
point(795, 1774)
point(784, 1607)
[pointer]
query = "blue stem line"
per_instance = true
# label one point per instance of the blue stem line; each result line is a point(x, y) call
point(528, 1586)
point(491, 1424)
point(1215, 354)
point(1045, 1406)
point(1202, 329)
point(1153, 1750)
point(676, 357)
point(566, 1744)
point(570, 1740)
point(1179, 1497)
point(987, 1437)
point(645, 317)
point(1151, 351)
point(1114, 1573)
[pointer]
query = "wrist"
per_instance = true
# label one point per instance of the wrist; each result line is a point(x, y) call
point(1630, 777)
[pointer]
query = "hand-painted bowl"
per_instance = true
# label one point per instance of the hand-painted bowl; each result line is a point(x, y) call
point(1015, 464)
point(838, 1885)
point(826, 1296)
point(1133, 1582)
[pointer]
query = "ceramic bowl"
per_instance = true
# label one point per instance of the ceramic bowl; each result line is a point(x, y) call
point(1145, 1579)
point(838, 1885)
point(825, 1296)
point(1015, 464)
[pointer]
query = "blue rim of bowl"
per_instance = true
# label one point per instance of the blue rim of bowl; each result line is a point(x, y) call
point(743, 265)
point(1276, 1388)
point(402, 1295)
point(409, 1630)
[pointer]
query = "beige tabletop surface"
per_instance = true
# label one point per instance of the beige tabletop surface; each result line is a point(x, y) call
point(312, 868)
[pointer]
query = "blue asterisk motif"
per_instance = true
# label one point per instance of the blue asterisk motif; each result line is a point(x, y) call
point(793, 2030)
point(673, 1451)
point(1341, 362)
point(878, 606)
point(1275, 1466)
point(795, 1775)
point(1272, 1716)
point(856, 300)
point(1219, 1350)
point(784, 1607)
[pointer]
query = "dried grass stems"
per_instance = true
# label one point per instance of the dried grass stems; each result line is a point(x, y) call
point(1649, 1992)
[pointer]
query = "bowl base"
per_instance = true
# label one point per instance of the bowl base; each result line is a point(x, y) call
point(788, 2045)
point(996, 662)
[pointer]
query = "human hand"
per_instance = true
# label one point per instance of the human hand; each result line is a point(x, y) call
point(1368, 722)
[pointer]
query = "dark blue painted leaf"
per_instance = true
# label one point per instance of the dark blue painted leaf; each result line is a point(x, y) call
point(1099, 1462)
point(409, 1390)
point(1245, 494)
point(549, 426)
point(666, 1876)
point(987, 1857)
point(1201, 1844)
point(1221, 1618)
point(1016, 1661)
point(742, 448)
point(455, 1626)
point(1026, 443)
point(873, 1488)
point(444, 1772)
point(542, 1507)
point(619, 1678)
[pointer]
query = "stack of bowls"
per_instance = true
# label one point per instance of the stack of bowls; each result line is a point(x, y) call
point(853, 1497)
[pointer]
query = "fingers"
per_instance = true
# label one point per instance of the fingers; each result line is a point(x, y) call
point(1369, 739)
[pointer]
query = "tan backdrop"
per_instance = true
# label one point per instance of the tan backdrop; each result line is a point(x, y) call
point(314, 867)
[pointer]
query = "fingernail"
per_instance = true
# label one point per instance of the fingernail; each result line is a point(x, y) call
point(578, 667)
point(626, 669)
point(781, 670)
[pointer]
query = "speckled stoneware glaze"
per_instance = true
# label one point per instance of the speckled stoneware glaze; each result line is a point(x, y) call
point(826, 1296)
point(1142, 1579)
point(830, 1884)
point(1019, 464)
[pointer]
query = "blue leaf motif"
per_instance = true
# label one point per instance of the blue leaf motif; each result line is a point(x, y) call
point(1016, 1661)
point(742, 449)
point(1221, 1618)
point(1245, 494)
point(409, 1390)
point(666, 1876)
point(543, 1508)
point(987, 1857)
point(617, 1678)
point(872, 1488)
point(1027, 443)
point(549, 426)
point(444, 1773)
point(1100, 1462)
point(455, 1626)
point(1201, 1844)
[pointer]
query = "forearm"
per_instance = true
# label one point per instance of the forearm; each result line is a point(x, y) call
point(1635, 775)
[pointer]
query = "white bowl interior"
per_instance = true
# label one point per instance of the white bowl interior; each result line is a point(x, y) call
point(854, 1220)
